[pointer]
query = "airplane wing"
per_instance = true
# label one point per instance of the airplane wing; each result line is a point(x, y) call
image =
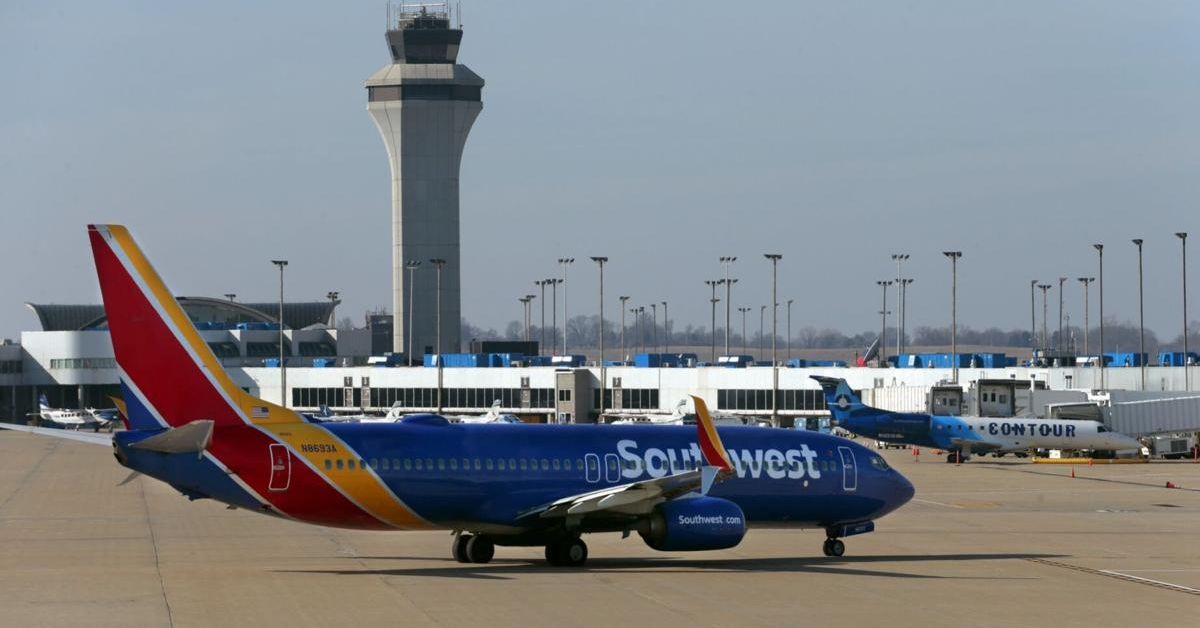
point(635, 498)
point(82, 437)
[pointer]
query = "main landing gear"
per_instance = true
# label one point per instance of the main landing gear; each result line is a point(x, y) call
point(833, 547)
point(568, 552)
point(469, 548)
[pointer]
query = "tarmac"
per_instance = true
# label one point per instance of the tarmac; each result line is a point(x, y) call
point(984, 543)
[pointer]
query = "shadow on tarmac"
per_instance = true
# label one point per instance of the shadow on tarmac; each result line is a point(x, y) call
point(503, 569)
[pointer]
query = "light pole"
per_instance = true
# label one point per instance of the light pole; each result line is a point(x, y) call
point(713, 283)
point(541, 283)
point(883, 326)
point(1086, 281)
point(230, 296)
point(1141, 316)
point(743, 310)
point(899, 258)
point(789, 329)
point(600, 262)
point(411, 266)
point(904, 283)
point(554, 281)
point(1100, 249)
point(639, 314)
point(654, 327)
point(954, 256)
point(1060, 343)
point(726, 262)
point(666, 329)
point(623, 300)
point(1033, 343)
point(439, 263)
point(775, 257)
point(1182, 235)
point(565, 262)
point(1044, 287)
point(525, 315)
point(282, 263)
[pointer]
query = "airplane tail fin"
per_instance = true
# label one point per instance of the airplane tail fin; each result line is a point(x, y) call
point(493, 412)
point(43, 402)
point(169, 375)
point(716, 460)
point(325, 412)
point(842, 401)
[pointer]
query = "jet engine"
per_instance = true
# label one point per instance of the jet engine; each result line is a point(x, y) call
point(701, 523)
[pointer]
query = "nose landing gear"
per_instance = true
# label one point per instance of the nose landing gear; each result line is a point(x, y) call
point(833, 547)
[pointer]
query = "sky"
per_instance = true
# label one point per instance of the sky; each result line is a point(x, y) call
point(660, 134)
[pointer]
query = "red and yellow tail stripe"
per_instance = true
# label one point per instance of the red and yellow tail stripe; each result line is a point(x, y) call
point(165, 358)
point(710, 441)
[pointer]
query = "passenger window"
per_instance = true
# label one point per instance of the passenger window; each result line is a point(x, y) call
point(466, 464)
point(557, 464)
point(454, 464)
point(350, 465)
point(579, 463)
point(500, 464)
point(478, 465)
point(512, 464)
point(429, 464)
point(339, 464)
point(566, 464)
point(441, 464)
point(489, 464)
point(374, 463)
point(408, 464)
point(328, 464)
point(524, 464)
point(383, 464)
point(420, 467)
point(362, 464)
point(545, 465)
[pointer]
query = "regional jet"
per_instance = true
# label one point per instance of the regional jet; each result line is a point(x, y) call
point(963, 436)
point(680, 488)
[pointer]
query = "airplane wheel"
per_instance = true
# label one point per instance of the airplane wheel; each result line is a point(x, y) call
point(568, 553)
point(480, 550)
point(458, 549)
point(836, 547)
point(825, 548)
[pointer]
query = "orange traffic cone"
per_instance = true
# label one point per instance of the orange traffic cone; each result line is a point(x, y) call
point(916, 454)
point(1072, 471)
point(1089, 462)
point(1171, 484)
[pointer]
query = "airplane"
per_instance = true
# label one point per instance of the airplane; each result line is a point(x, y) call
point(680, 416)
point(325, 415)
point(680, 488)
point(963, 436)
point(62, 417)
point(493, 415)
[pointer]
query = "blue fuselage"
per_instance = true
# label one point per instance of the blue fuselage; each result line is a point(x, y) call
point(469, 476)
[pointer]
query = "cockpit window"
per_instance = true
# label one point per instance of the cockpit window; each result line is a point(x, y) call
point(879, 463)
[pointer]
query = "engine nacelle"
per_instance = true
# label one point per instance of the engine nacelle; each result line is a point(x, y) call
point(702, 523)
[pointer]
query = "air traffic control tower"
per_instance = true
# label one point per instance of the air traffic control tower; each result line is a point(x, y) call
point(424, 103)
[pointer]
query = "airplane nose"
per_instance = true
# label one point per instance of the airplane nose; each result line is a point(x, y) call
point(902, 490)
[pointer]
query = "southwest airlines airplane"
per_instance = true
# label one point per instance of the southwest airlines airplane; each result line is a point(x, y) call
point(962, 436)
point(679, 487)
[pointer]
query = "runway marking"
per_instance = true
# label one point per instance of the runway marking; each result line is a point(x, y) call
point(1169, 586)
point(930, 501)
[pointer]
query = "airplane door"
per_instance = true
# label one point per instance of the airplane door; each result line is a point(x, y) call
point(849, 471)
point(612, 468)
point(592, 462)
point(281, 467)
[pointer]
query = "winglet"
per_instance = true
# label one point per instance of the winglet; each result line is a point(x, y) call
point(716, 459)
point(122, 410)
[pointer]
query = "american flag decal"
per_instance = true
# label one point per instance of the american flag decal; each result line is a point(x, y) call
point(258, 412)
